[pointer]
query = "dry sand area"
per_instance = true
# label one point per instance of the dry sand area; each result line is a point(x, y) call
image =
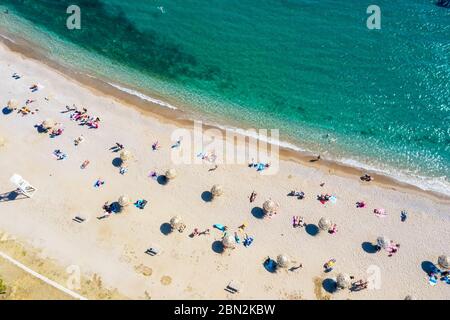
point(111, 251)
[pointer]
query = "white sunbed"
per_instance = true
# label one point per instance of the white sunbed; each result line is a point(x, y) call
point(153, 251)
point(233, 287)
point(24, 186)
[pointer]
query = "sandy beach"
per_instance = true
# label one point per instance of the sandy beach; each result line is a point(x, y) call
point(190, 267)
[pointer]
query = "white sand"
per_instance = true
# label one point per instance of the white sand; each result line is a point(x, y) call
point(115, 246)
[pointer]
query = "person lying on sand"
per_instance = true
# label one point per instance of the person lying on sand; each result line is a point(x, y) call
point(393, 248)
point(296, 267)
point(298, 222)
point(178, 143)
point(85, 164)
point(299, 194)
point(359, 285)
point(328, 266)
point(69, 109)
point(107, 207)
point(333, 229)
point(242, 227)
point(156, 146)
point(366, 177)
point(78, 140)
point(360, 204)
point(213, 168)
point(117, 147)
point(403, 216)
point(123, 170)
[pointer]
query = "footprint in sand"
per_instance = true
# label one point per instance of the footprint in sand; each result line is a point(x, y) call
point(146, 271)
point(166, 280)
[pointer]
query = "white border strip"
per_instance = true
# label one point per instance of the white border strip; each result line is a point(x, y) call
point(41, 277)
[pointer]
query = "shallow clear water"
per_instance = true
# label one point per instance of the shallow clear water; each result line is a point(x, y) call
point(309, 68)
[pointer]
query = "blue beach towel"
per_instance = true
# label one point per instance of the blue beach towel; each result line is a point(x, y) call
point(219, 226)
point(248, 241)
point(432, 280)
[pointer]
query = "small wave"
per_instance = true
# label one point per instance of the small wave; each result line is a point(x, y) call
point(269, 139)
point(143, 96)
point(7, 38)
point(437, 184)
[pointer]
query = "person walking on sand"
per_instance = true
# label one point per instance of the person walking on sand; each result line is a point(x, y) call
point(253, 196)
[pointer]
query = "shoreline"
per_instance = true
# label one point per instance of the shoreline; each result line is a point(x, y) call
point(114, 248)
point(185, 119)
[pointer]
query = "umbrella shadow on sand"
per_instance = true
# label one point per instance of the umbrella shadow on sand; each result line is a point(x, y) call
point(429, 267)
point(217, 246)
point(117, 162)
point(369, 247)
point(329, 285)
point(312, 229)
point(270, 265)
point(6, 111)
point(40, 128)
point(165, 228)
point(207, 196)
point(258, 212)
point(162, 180)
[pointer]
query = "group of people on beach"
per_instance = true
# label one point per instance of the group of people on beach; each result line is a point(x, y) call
point(82, 117)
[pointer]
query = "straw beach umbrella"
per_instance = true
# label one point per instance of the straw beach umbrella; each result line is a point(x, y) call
point(12, 104)
point(444, 261)
point(171, 174)
point(343, 281)
point(270, 206)
point(216, 190)
point(383, 242)
point(124, 201)
point(2, 141)
point(48, 123)
point(283, 261)
point(176, 222)
point(125, 155)
point(324, 224)
point(229, 241)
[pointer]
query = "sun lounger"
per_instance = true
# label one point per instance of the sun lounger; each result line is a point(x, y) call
point(79, 219)
point(153, 251)
point(24, 186)
point(233, 287)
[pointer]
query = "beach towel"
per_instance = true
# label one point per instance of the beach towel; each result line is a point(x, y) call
point(219, 226)
point(98, 183)
point(432, 280)
point(333, 199)
point(140, 204)
point(248, 241)
point(403, 216)
point(381, 213)
point(85, 164)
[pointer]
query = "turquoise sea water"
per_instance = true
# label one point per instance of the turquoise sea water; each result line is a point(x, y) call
point(379, 99)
